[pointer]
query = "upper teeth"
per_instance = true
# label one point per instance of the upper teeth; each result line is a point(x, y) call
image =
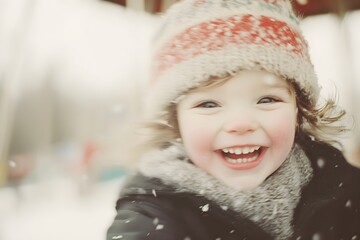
point(241, 150)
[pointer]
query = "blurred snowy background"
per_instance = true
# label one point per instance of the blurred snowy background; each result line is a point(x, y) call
point(71, 77)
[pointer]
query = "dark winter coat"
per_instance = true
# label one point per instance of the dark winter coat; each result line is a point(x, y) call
point(329, 207)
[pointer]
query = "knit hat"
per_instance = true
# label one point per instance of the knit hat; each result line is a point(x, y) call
point(200, 39)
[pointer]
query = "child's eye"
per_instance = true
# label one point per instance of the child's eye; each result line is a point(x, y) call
point(208, 104)
point(268, 100)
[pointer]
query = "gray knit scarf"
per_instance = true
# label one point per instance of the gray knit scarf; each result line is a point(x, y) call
point(270, 205)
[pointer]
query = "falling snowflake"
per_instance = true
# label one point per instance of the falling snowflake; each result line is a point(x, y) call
point(348, 204)
point(117, 237)
point(187, 238)
point(205, 208)
point(154, 192)
point(159, 227)
point(354, 237)
point(225, 208)
point(320, 163)
point(156, 221)
point(316, 236)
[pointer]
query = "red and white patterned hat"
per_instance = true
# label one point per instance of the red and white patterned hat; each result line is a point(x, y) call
point(200, 39)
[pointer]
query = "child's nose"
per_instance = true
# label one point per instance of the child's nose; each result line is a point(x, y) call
point(240, 122)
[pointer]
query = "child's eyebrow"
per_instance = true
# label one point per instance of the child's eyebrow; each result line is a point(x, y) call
point(278, 85)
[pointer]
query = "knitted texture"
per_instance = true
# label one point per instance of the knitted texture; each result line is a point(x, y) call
point(200, 39)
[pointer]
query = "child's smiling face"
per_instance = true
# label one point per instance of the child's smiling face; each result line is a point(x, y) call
point(240, 131)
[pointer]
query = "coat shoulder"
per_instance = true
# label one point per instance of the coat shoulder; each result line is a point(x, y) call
point(330, 203)
point(330, 165)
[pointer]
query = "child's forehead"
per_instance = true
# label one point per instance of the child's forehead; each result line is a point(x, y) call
point(274, 81)
point(278, 82)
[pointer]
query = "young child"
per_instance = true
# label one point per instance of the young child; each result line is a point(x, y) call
point(239, 147)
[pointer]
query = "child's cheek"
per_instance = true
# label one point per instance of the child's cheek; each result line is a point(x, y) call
point(283, 131)
point(197, 141)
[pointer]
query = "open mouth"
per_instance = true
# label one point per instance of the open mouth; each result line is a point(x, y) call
point(242, 157)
